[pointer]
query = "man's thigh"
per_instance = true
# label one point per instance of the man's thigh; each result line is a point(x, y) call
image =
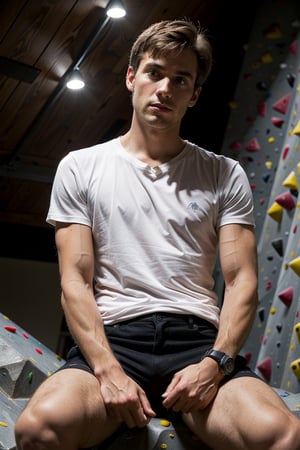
point(240, 413)
point(70, 400)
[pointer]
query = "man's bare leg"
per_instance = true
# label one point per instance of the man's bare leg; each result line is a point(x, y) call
point(66, 413)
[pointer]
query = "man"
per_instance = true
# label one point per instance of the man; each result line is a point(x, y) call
point(139, 221)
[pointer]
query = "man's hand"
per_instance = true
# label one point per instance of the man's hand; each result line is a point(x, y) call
point(125, 400)
point(194, 387)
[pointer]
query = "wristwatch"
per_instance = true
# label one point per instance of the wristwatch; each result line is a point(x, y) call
point(225, 362)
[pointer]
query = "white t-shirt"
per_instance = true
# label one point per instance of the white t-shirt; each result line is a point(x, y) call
point(155, 230)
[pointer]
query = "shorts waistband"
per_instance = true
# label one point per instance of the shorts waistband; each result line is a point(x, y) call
point(189, 319)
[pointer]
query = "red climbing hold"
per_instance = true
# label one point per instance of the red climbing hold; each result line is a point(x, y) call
point(265, 367)
point(286, 296)
point(10, 328)
point(285, 200)
point(277, 122)
point(282, 104)
point(294, 48)
point(253, 145)
point(285, 152)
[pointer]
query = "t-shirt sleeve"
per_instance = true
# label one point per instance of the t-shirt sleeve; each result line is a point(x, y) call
point(236, 205)
point(68, 202)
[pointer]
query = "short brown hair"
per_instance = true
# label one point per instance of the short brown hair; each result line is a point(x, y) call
point(174, 36)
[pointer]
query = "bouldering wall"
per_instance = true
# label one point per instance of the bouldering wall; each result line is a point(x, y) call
point(24, 364)
point(263, 134)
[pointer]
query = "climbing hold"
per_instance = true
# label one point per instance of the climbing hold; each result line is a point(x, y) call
point(38, 350)
point(236, 146)
point(278, 246)
point(30, 376)
point(3, 424)
point(275, 211)
point(233, 104)
point(261, 85)
point(293, 48)
point(277, 122)
point(295, 366)
point(25, 335)
point(10, 328)
point(253, 145)
point(296, 130)
point(267, 58)
point(271, 140)
point(297, 330)
point(164, 422)
point(262, 109)
point(273, 310)
point(291, 181)
point(163, 446)
point(286, 296)
point(265, 367)
point(279, 328)
point(261, 314)
point(273, 32)
point(248, 356)
point(285, 151)
point(295, 265)
point(285, 200)
point(291, 79)
point(282, 104)
point(269, 164)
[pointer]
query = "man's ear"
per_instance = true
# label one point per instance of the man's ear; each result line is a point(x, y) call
point(195, 96)
point(130, 77)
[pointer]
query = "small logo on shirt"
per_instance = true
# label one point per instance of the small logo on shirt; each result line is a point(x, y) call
point(195, 206)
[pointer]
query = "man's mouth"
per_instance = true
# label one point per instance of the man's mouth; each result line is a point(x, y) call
point(160, 107)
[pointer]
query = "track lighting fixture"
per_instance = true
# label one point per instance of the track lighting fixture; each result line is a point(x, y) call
point(116, 9)
point(75, 80)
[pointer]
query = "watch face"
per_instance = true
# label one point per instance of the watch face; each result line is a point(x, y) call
point(228, 366)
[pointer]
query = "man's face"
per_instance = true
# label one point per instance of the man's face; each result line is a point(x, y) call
point(163, 88)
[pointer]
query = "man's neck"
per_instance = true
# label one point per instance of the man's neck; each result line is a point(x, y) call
point(153, 147)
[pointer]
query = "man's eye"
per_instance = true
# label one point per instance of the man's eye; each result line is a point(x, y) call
point(153, 73)
point(180, 81)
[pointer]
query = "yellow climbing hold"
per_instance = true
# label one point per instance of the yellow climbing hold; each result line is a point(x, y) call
point(273, 310)
point(271, 140)
point(275, 211)
point(266, 58)
point(163, 446)
point(269, 164)
point(295, 265)
point(296, 130)
point(164, 422)
point(295, 367)
point(3, 424)
point(291, 181)
point(233, 104)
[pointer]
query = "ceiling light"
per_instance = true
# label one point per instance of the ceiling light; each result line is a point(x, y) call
point(75, 80)
point(116, 9)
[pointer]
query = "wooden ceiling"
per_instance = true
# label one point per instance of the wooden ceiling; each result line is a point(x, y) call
point(41, 120)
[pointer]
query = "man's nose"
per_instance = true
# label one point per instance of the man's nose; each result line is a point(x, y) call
point(164, 87)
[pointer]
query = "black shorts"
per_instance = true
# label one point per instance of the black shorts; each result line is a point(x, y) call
point(152, 348)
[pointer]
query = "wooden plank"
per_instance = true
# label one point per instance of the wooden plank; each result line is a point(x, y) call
point(54, 58)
